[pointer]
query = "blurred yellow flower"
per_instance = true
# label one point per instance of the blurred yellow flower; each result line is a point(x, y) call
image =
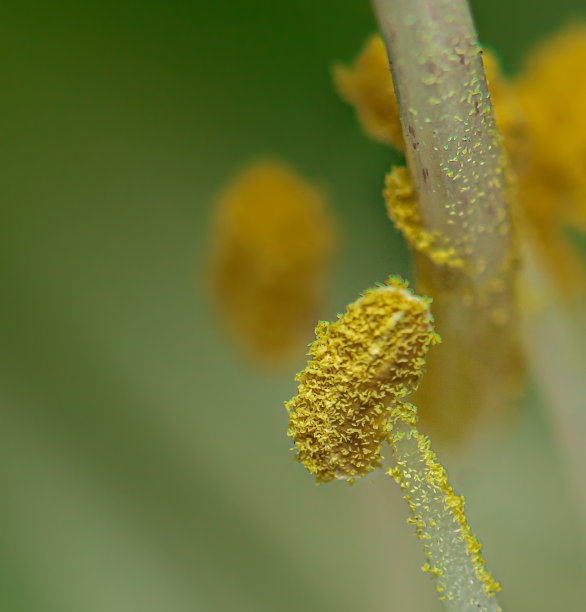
point(552, 177)
point(273, 239)
point(367, 85)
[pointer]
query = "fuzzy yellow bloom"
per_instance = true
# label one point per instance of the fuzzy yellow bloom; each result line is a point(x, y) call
point(360, 365)
point(273, 239)
point(367, 85)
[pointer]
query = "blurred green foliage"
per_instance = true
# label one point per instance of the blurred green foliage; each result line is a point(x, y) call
point(144, 465)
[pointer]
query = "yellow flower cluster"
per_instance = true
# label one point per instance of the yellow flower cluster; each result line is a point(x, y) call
point(273, 239)
point(372, 357)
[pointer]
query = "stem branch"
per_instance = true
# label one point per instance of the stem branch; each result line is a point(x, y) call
point(437, 513)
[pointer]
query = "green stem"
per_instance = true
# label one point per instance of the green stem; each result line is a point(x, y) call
point(463, 205)
point(452, 146)
point(437, 513)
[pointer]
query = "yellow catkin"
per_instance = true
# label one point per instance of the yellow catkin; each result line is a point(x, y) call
point(273, 239)
point(372, 356)
point(368, 87)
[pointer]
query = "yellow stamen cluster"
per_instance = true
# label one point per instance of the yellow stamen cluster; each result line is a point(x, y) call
point(367, 85)
point(370, 358)
point(273, 242)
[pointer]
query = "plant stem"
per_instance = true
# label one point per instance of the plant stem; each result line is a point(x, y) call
point(457, 165)
point(452, 145)
point(452, 552)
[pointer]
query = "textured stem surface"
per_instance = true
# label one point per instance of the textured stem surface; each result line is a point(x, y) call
point(456, 163)
point(452, 146)
point(437, 513)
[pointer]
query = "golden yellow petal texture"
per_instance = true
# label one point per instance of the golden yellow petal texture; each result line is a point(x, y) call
point(273, 240)
point(552, 183)
point(368, 87)
point(371, 357)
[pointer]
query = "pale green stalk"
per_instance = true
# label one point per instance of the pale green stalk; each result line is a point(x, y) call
point(437, 513)
point(451, 143)
point(554, 336)
point(468, 265)
point(456, 163)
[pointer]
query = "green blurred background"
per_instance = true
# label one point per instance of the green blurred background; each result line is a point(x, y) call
point(144, 465)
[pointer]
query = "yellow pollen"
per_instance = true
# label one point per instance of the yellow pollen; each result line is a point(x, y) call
point(368, 360)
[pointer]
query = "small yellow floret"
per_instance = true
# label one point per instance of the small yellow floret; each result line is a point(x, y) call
point(273, 241)
point(368, 86)
point(360, 365)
